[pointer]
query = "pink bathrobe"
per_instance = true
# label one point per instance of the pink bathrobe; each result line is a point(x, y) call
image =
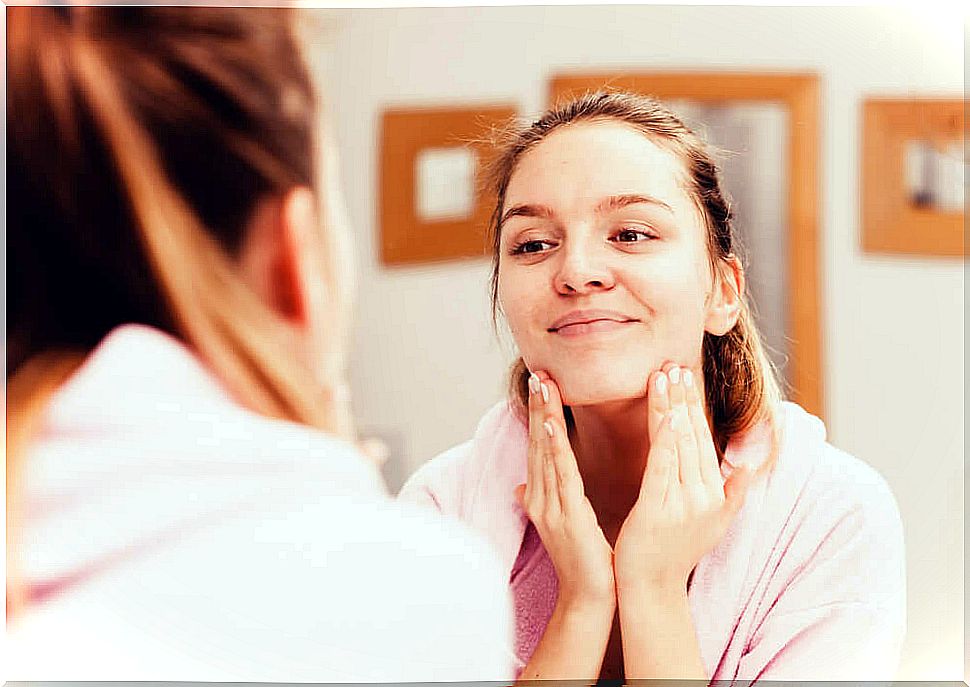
point(169, 534)
point(807, 584)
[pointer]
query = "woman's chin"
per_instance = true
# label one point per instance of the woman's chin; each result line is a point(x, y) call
point(580, 393)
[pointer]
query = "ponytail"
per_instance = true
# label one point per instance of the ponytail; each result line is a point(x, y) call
point(139, 141)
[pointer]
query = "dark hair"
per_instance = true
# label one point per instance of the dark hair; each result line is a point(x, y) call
point(740, 383)
point(225, 104)
point(139, 142)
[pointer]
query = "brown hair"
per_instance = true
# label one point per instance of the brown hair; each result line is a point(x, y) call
point(740, 383)
point(139, 142)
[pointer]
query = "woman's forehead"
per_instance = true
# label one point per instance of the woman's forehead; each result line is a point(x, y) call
point(582, 163)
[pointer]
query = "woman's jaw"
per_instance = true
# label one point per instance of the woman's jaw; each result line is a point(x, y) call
point(611, 379)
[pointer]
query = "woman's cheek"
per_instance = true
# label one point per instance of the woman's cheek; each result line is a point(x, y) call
point(523, 333)
point(516, 304)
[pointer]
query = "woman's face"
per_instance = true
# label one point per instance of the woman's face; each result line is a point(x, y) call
point(603, 270)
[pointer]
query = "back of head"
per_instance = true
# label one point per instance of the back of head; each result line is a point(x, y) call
point(139, 142)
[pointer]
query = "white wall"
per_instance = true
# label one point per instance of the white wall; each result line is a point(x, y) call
point(425, 363)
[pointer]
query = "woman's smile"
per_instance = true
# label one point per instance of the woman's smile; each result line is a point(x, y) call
point(603, 257)
point(594, 327)
point(578, 323)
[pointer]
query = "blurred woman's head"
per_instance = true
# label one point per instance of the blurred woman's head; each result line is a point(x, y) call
point(162, 170)
point(613, 252)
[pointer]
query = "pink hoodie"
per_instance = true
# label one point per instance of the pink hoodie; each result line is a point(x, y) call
point(807, 584)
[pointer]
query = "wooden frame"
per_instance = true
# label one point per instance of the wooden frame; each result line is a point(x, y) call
point(405, 133)
point(799, 93)
point(890, 222)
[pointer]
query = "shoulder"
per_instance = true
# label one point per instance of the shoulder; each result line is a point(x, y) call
point(823, 550)
point(436, 586)
point(441, 481)
point(822, 503)
point(449, 480)
point(441, 470)
point(812, 470)
point(432, 557)
point(144, 402)
point(373, 591)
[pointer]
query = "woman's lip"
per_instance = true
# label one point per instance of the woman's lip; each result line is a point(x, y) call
point(590, 327)
point(586, 316)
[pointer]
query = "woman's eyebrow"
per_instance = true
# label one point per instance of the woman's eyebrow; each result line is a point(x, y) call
point(605, 205)
point(618, 202)
point(527, 210)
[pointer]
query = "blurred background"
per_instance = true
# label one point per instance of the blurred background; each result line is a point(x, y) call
point(426, 362)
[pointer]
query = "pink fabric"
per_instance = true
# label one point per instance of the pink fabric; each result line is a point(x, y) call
point(807, 584)
point(171, 535)
point(535, 589)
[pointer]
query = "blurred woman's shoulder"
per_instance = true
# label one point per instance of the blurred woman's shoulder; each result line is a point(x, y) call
point(181, 528)
point(494, 455)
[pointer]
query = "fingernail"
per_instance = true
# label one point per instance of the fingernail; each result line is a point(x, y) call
point(674, 375)
point(661, 382)
point(545, 393)
point(548, 427)
point(533, 383)
point(688, 378)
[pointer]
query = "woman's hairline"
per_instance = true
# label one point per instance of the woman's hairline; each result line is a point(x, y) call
point(673, 147)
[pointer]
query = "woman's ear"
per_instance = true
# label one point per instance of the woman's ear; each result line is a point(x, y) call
point(283, 259)
point(724, 304)
point(279, 257)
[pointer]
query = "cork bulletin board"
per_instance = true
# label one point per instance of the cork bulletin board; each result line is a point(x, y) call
point(913, 176)
point(433, 206)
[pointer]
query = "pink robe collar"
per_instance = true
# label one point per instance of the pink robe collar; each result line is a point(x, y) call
point(498, 465)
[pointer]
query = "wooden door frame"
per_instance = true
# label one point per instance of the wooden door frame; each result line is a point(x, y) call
point(799, 93)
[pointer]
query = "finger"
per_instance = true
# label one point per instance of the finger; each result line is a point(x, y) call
point(572, 493)
point(564, 484)
point(550, 397)
point(668, 366)
point(688, 466)
point(546, 468)
point(687, 449)
point(658, 401)
point(661, 465)
point(677, 396)
point(570, 480)
point(535, 481)
point(710, 473)
point(550, 475)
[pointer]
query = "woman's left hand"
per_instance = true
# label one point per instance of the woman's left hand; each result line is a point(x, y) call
point(684, 507)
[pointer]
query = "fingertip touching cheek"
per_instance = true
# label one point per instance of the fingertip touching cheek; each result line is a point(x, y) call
point(603, 271)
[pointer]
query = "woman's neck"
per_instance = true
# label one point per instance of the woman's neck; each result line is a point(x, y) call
point(611, 444)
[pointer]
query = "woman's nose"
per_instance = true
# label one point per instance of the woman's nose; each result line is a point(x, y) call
point(581, 271)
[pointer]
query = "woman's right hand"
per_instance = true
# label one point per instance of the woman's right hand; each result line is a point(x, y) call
point(555, 501)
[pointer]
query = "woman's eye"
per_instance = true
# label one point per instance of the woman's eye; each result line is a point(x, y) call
point(632, 236)
point(534, 246)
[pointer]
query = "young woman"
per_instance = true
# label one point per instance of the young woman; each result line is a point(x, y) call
point(183, 500)
point(660, 511)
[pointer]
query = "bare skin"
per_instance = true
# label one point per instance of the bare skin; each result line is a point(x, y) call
point(681, 509)
point(608, 288)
